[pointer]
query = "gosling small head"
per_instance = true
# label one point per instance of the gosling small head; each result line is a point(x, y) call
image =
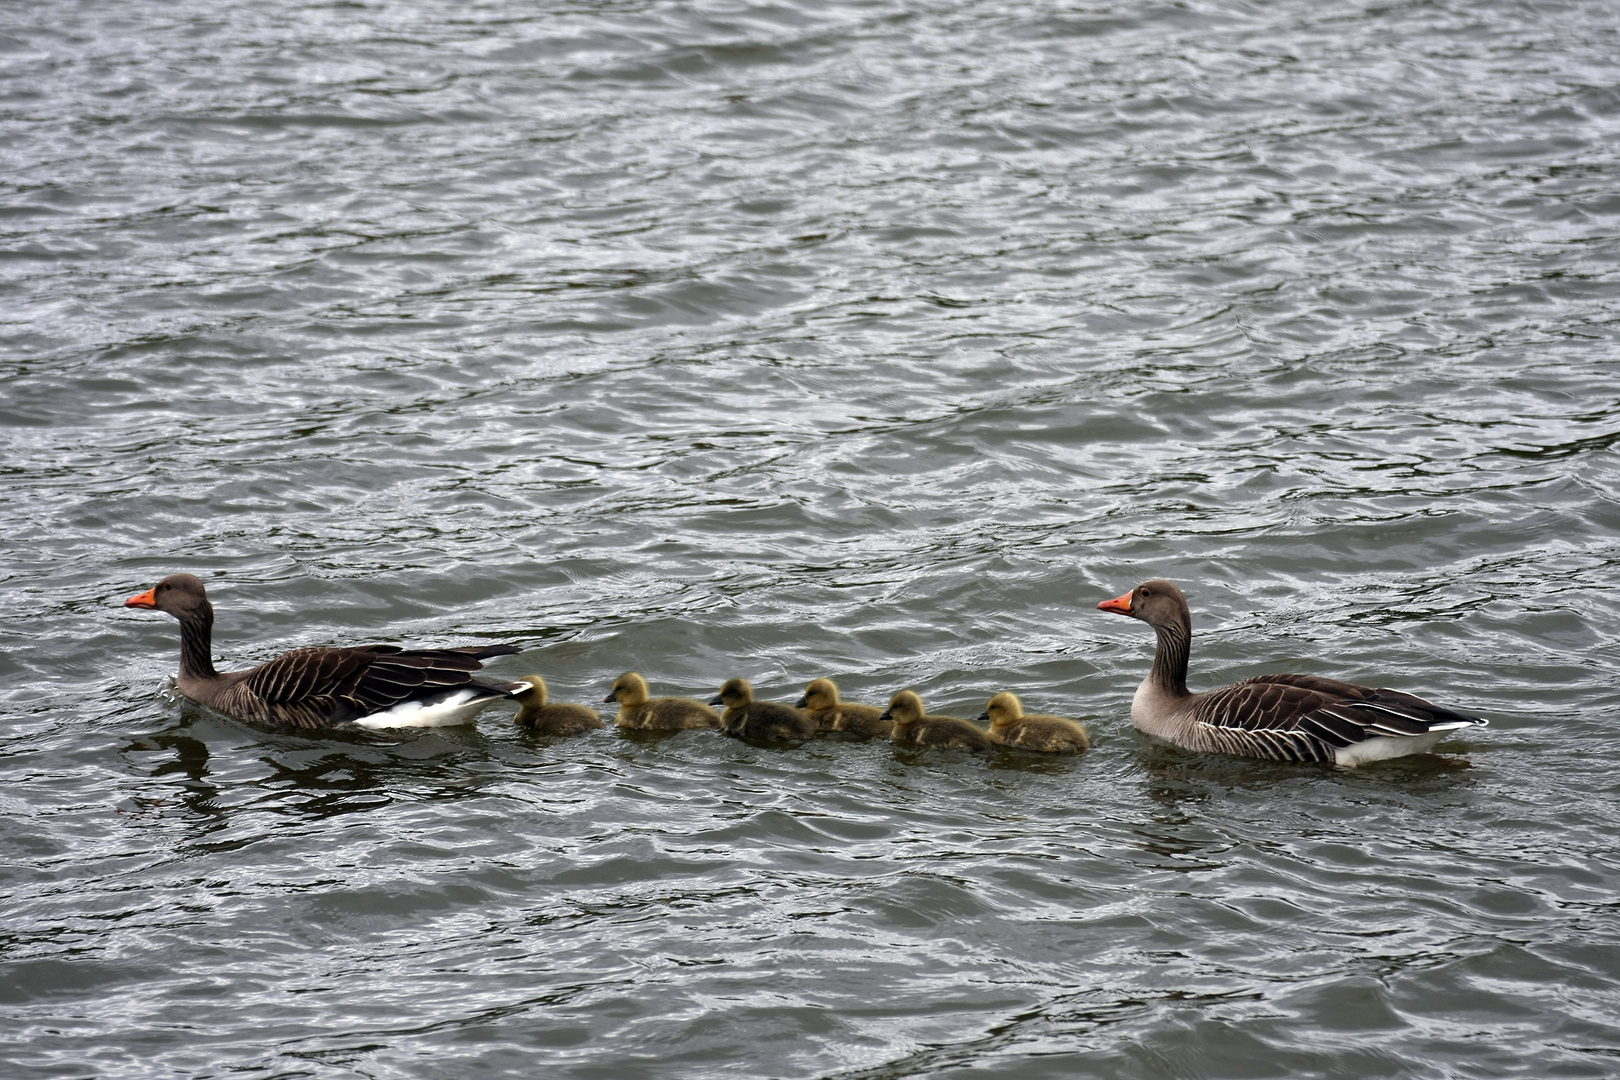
point(1002, 710)
point(904, 708)
point(535, 695)
point(735, 694)
point(628, 689)
point(820, 694)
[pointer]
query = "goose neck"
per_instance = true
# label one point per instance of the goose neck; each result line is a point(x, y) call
point(196, 644)
point(1169, 673)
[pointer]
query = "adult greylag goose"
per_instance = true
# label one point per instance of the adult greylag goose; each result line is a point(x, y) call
point(822, 704)
point(766, 720)
point(379, 686)
point(913, 726)
point(544, 718)
point(1278, 717)
point(639, 711)
point(1011, 726)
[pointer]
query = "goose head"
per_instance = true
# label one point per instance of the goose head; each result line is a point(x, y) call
point(181, 595)
point(1158, 603)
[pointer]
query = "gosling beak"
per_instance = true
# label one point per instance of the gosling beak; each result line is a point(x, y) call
point(611, 698)
point(147, 599)
point(1120, 604)
point(984, 717)
point(802, 703)
point(717, 700)
point(887, 715)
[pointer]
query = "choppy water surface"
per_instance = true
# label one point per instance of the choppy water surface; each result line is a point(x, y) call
point(871, 339)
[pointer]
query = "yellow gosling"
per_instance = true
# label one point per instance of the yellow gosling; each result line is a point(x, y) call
point(1041, 732)
point(821, 704)
point(639, 712)
point(768, 721)
point(547, 719)
point(914, 727)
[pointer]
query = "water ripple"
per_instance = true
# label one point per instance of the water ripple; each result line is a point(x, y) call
point(870, 341)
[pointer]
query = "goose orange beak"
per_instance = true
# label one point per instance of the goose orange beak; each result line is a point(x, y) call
point(147, 599)
point(1121, 604)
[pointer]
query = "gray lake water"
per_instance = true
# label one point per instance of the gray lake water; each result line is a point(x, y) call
point(878, 339)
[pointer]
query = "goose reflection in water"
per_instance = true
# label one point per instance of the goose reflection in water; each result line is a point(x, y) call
point(197, 794)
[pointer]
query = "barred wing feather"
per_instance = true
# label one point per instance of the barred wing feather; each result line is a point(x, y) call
point(318, 687)
point(1307, 718)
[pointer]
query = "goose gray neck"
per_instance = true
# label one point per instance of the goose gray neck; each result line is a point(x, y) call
point(196, 644)
point(1169, 674)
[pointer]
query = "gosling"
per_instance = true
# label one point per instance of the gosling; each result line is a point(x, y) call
point(821, 703)
point(639, 712)
point(913, 727)
point(768, 721)
point(546, 719)
point(1041, 732)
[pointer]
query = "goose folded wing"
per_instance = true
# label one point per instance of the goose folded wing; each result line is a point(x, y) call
point(391, 679)
point(1270, 719)
point(367, 680)
point(305, 674)
point(1378, 711)
point(1338, 713)
point(1259, 713)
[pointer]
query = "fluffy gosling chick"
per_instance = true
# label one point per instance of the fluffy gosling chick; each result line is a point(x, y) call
point(559, 719)
point(821, 704)
point(914, 727)
point(766, 720)
point(1041, 732)
point(643, 713)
